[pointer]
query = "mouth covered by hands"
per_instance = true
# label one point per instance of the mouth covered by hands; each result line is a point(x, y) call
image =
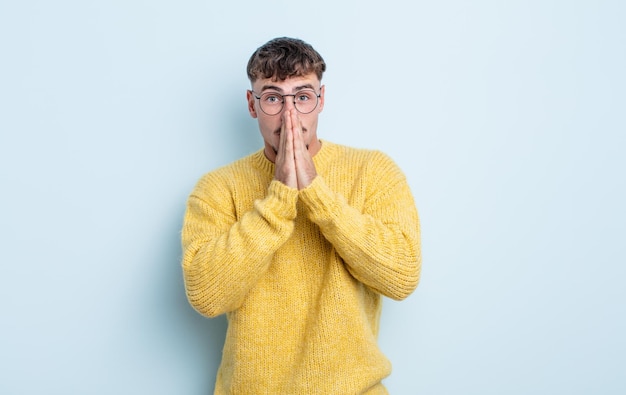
point(294, 164)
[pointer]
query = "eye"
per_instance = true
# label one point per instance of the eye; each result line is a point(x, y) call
point(304, 96)
point(272, 98)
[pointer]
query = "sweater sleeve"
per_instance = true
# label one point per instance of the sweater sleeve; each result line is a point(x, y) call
point(224, 257)
point(379, 243)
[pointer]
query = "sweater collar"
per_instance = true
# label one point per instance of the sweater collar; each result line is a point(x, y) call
point(321, 159)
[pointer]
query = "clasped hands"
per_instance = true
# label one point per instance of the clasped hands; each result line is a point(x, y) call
point(294, 164)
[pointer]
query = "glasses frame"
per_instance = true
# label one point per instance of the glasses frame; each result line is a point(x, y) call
point(317, 101)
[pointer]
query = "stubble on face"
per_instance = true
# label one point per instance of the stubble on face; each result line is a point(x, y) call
point(277, 133)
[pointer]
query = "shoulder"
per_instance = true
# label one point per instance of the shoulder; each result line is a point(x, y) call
point(345, 151)
point(374, 161)
point(226, 177)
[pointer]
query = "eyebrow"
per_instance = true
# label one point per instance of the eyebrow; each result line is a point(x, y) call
point(276, 88)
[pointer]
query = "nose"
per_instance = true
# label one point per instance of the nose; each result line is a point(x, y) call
point(289, 102)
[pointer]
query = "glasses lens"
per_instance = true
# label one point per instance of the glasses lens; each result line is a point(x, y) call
point(305, 101)
point(271, 103)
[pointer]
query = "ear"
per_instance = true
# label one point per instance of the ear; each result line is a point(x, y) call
point(320, 106)
point(251, 99)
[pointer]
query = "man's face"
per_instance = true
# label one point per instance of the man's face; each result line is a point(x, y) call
point(270, 125)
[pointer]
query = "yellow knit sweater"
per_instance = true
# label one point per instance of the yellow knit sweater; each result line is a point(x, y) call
point(300, 274)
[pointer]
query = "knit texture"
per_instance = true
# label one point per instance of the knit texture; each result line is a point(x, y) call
point(300, 274)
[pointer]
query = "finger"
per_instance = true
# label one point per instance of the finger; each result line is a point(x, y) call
point(285, 163)
point(281, 138)
point(288, 131)
point(295, 122)
point(305, 168)
point(297, 131)
point(286, 136)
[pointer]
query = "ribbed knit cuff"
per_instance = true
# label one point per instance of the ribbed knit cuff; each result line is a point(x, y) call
point(282, 199)
point(319, 199)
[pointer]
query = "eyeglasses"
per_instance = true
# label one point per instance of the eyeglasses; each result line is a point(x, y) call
point(272, 103)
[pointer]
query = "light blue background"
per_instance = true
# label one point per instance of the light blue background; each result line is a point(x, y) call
point(508, 118)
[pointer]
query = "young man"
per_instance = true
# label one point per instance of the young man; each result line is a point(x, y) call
point(297, 242)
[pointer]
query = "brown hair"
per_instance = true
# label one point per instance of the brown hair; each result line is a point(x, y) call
point(285, 57)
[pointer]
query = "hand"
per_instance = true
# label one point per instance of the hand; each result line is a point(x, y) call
point(294, 164)
point(305, 168)
point(285, 165)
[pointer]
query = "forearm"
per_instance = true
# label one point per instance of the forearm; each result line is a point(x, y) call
point(223, 260)
point(380, 246)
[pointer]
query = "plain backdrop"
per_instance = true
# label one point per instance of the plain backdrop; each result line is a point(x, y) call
point(508, 118)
